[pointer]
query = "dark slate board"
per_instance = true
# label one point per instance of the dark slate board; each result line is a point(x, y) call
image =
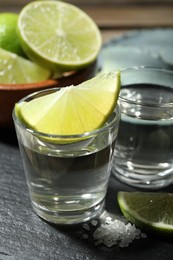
point(23, 235)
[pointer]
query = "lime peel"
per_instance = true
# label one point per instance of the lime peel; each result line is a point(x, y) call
point(64, 113)
point(135, 207)
point(8, 36)
point(56, 42)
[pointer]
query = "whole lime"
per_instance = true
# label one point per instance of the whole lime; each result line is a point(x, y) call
point(8, 35)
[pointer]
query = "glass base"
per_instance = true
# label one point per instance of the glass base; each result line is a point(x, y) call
point(143, 180)
point(69, 217)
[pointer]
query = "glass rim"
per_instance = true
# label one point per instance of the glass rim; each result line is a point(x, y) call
point(145, 104)
point(70, 136)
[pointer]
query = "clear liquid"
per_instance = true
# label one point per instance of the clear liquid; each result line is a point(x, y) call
point(144, 149)
point(67, 185)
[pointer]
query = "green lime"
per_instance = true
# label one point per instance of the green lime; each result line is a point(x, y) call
point(16, 70)
point(149, 210)
point(9, 39)
point(74, 109)
point(58, 35)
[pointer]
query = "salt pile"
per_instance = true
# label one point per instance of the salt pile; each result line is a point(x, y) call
point(114, 232)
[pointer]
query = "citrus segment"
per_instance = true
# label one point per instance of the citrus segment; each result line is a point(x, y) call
point(149, 210)
point(16, 70)
point(75, 109)
point(58, 35)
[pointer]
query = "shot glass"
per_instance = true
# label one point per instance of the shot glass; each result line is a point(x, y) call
point(67, 175)
point(144, 150)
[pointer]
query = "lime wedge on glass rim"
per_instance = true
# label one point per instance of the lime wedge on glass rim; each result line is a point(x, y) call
point(58, 35)
point(72, 110)
point(152, 211)
point(17, 70)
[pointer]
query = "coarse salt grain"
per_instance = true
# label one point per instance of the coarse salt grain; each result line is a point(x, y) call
point(86, 226)
point(114, 232)
point(94, 222)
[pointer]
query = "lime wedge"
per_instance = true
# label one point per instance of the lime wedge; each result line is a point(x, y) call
point(58, 35)
point(74, 109)
point(16, 70)
point(149, 210)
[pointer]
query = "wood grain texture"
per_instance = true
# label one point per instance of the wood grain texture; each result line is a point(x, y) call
point(95, 2)
point(120, 17)
point(131, 17)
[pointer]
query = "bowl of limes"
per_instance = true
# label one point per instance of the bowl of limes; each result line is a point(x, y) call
point(48, 44)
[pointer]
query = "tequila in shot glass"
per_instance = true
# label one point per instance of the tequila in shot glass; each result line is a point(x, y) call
point(67, 175)
point(144, 149)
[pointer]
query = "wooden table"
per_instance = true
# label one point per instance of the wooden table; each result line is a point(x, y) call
point(117, 16)
point(119, 19)
point(23, 235)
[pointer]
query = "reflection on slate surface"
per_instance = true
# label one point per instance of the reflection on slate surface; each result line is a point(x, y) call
point(152, 47)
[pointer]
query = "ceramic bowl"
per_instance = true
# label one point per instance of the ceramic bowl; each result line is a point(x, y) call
point(12, 93)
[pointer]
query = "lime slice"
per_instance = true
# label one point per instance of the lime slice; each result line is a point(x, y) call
point(8, 35)
point(58, 35)
point(73, 110)
point(150, 210)
point(16, 70)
